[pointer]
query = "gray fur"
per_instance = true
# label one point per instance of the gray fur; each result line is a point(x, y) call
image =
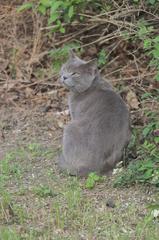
point(99, 129)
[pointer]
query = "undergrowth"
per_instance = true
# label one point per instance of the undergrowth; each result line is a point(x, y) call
point(145, 168)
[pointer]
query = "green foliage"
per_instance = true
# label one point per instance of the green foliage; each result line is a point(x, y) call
point(153, 206)
point(5, 200)
point(19, 213)
point(25, 7)
point(140, 171)
point(9, 169)
point(44, 191)
point(152, 2)
point(7, 233)
point(143, 30)
point(60, 55)
point(102, 58)
point(36, 150)
point(146, 168)
point(92, 179)
point(57, 11)
point(150, 44)
point(149, 2)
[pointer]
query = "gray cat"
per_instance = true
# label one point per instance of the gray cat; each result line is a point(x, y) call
point(99, 130)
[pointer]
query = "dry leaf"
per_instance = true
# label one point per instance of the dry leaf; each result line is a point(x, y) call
point(63, 113)
point(132, 100)
point(29, 92)
point(60, 124)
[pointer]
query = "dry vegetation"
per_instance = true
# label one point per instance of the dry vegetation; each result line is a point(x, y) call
point(36, 201)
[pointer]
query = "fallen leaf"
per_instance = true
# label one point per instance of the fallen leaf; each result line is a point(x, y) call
point(132, 100)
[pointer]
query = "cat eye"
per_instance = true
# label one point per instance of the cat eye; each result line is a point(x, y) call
point(75, 74)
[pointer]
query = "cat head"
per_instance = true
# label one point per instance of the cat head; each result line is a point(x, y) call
point(78, 75)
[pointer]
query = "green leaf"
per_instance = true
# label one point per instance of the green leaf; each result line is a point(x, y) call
point(152, 1)
point(81, 18)
point(42, 9)
point(156, 139)
point(157, 77)
point(148, 174)
point(146, 166)
point(146, 131)
point(54, 15)
point(156, 39)
point(71, 12)
point(147, 43)
point(62, 29)
point(45, 3)
point(90, 183)
point(55, 5)
point(24, 7)
point(155, 52)
point(102, 59)
point(92, 179)
point(153, 206)
point(146, 95)
point(53, 18)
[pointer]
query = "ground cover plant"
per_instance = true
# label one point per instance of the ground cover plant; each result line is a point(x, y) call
point(36, 200)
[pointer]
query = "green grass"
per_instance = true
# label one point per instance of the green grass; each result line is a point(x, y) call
point(43, 191)
point(57, 206)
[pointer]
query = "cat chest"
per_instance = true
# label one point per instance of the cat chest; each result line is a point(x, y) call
point(79, 108)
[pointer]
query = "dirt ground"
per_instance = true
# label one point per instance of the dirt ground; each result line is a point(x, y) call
point(46, 204)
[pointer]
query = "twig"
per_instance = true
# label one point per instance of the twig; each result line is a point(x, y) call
point(76, 34)
point(133, 77)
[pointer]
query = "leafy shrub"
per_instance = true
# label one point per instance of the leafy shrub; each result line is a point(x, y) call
point(150, 44)
point(57, 11)
point(146, 168)
point(92, 179)
point(144, 171)
point(60, 55)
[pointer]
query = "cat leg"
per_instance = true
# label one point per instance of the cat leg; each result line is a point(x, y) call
point(63, 166)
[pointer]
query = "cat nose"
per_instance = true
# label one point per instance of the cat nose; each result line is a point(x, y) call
point(64, 77)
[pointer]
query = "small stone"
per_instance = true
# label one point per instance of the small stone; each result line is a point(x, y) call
point(110, 203)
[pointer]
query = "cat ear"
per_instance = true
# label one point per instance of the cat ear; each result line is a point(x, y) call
point(92, 64)
point(72, 54)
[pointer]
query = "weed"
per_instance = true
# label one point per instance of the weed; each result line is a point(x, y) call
point(8, 233)
point(150, 44)
point(102, 58)
point(148, 227)
point(146, 168)
point(5, 205)
point(92, 179)
point(36, 150)
point(44, 191)
point(19, 213)
point(9, 169)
